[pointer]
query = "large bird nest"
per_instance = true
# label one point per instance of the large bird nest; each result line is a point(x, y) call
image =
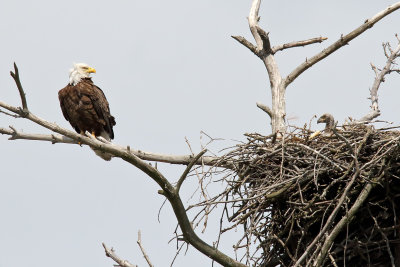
point(295, 195)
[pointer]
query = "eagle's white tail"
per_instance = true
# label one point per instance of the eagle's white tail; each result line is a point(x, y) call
point(101, 154)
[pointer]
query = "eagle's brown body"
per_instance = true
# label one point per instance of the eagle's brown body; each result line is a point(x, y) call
point(86, 108)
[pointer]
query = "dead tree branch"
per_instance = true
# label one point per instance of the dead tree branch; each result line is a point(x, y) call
point(17, 80)
point(139, 242)
point(265, 52)
point(265, 108)
point(379, 78)
point(188, 168)
point(247, 44)
point(343, 40)
point(278, 110)
point(111, 253)
point(144, 155)
point(298, 43)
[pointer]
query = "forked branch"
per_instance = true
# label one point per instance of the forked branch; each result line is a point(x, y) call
point(111, 253)
point(188, 168)
point(169, 191)
point(379, 78)
point(17, 80)
point(343, 40)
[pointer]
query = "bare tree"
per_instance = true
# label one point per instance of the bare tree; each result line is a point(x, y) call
point(277, 112)
point(266, 52)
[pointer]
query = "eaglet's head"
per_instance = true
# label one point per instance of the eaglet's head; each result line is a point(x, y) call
point(78, 72)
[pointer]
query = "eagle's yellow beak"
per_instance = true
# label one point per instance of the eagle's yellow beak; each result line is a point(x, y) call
point(91, 70)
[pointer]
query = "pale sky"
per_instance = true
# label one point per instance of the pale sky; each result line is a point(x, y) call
point(169, 70)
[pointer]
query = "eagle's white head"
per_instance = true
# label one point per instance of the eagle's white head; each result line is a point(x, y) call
point(79, 71)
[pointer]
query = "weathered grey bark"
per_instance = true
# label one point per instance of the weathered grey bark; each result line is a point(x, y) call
point(265, 52)
point(144, 155)
point(379, 78)
point(278, 113)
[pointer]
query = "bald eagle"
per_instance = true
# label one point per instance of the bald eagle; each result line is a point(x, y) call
point(85, 106)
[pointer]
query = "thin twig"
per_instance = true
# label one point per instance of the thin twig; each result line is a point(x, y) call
point(298, 43)
point(188, 168)
point(9, 114)
point(139, 242)
point(17, 80)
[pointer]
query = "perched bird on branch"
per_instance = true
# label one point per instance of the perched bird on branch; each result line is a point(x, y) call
point(85, 106)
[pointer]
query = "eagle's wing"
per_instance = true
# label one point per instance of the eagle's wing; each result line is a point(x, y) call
point(103, 107)
point(95, 100)
point(66, 97)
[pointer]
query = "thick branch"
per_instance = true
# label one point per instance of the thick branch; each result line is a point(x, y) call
point(297, 44)
point(15, 76)
point(344, 40)
point(110, 253)
point(266, 48)
point(253, 22)
point(379, 78)
point(278, 108)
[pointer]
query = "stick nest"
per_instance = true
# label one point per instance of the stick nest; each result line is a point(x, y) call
point(285, 192)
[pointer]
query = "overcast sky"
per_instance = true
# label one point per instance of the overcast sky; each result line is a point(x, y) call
point(169, 70)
